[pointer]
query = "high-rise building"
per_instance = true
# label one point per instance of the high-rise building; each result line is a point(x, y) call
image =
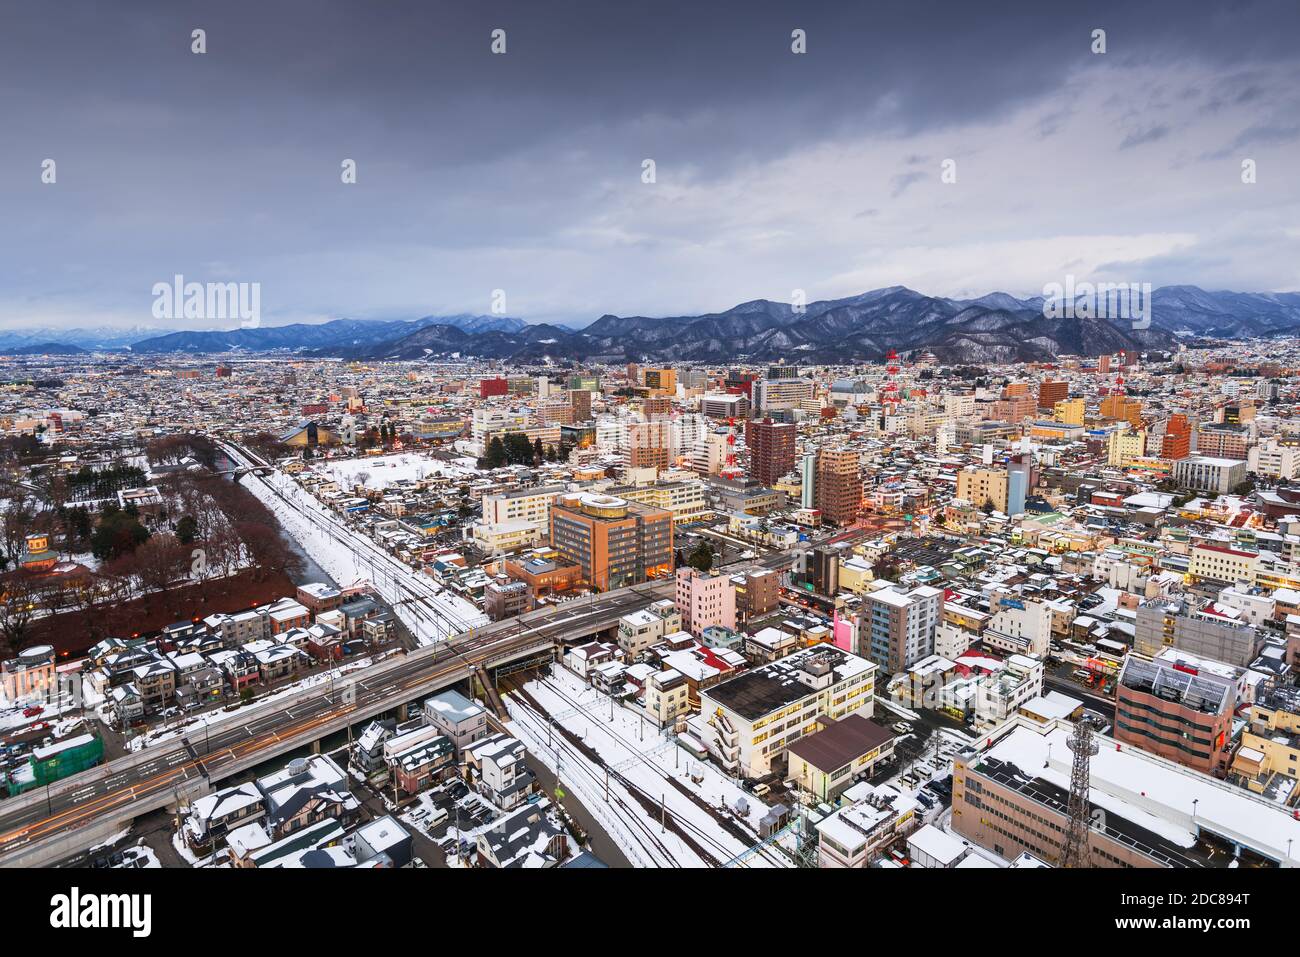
point(613, 541)
point(1222, 441)
point(648, 444)
point(771, 449)
point(1177, 442)
point(661, 381)
point(1050, 393)
point(1020, 479)
point(1119, 406)
point(839, 486)
point(580, 400)
point(807, 479)
point(896, 628)
point(783, 393)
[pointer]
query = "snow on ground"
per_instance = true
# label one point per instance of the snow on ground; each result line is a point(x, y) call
point(384, 470)
point(121, 835)
point(648, 758)
point(197, 722)
point(350, 557)
point(219, 859)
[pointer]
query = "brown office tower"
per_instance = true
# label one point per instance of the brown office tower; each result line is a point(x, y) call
point(657, 405)
point(839, 486)
point(1050, 393)
point(771, 449)
point(615, 542)
point(648, 444)
point(580, 399)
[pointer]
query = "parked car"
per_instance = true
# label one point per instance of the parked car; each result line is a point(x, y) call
point(33, 710)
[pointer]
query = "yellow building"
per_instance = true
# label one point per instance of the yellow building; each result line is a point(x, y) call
point(660, 381)
point(1220, 563)
point(982, 485)
point(686, 500)
point(1069, 411)
point(1268, 760)
point(1124, 446)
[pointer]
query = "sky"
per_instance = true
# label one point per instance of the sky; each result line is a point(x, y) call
point(520, 175)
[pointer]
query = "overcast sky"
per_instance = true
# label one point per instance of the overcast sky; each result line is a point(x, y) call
point(523, 171)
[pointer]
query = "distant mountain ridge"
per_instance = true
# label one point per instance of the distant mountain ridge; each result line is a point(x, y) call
point(996, 327)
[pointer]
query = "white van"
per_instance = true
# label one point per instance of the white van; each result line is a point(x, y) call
point(436, 818)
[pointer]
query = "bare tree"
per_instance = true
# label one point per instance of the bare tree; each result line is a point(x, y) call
point(16, 609)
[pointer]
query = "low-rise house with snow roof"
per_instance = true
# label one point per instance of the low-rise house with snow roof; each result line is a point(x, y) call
point(495, 768)
point(306, 791)
point(527, 838)
point(418, 757)
point(212, 817)
point(463, 721)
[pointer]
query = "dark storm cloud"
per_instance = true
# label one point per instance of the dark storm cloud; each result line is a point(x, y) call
point(227, 164)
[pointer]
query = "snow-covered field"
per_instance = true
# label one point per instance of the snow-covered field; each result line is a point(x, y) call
point(384, 470)
point(349, 557)
point(649, 760)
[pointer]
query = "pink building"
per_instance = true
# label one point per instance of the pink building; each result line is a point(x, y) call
point(705, 599)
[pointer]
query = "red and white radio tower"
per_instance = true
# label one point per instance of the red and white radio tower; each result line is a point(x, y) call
point(890, 397)
point(730, 470)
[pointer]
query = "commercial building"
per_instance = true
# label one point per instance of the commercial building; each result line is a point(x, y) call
point(771, 449)
point(515, 519)
point(1223, 441)
point(705, 600)
point(838, 491)
point(1206, 630)
point(784, 393)
point(649, 445)
point(750, 720)
point(688, 501)
point(1011, 793)
point(615, 542)
point(1177, 706)
point(1202, 474)
point(828, 761)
